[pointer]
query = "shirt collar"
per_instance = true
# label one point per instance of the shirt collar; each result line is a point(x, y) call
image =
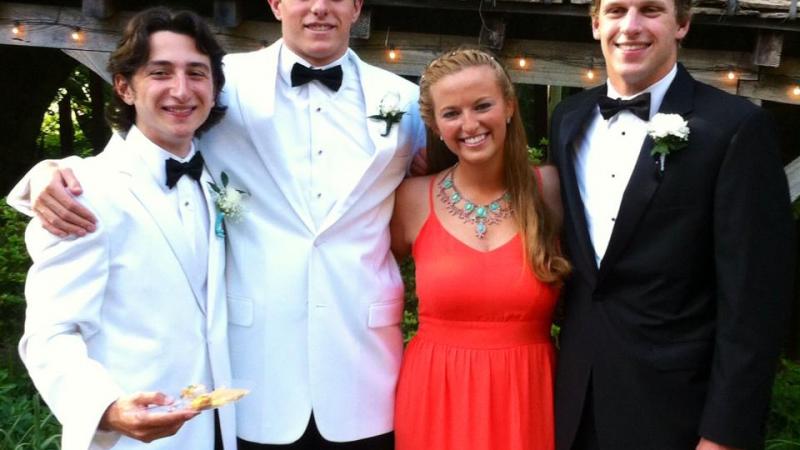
point(287, 58)
point(153, 155)
point(657, 90)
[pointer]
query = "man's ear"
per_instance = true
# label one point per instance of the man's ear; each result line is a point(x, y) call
point(123, 89)
point(595, 28)
point(273, 4)
point(358, 4)
point(683, 29)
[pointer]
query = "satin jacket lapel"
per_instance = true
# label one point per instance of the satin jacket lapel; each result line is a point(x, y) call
point(645, 179)
point(163, 213)
point(216, 245)
point(574, 121)
point(260, 87)
point(384, 146)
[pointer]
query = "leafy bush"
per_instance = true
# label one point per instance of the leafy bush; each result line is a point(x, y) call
point(14, 263)
point(410, 320)
point(25, 422)
point(783, 424)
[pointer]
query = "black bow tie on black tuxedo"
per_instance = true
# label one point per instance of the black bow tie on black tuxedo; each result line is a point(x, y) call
point(639, 106)
point(176, 169)
point(330, 77)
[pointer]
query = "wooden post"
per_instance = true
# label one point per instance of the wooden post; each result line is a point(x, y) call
point(97, 9)
point(769, 47)
point(227, 13)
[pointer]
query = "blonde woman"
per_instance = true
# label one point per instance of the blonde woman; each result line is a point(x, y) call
point(483, 230)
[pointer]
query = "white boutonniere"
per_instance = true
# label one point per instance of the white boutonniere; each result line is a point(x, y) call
point(229, 202)
point(389, 111)
point(670, 132)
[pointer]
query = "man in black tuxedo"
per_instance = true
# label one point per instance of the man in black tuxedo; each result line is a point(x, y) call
point(683, 266)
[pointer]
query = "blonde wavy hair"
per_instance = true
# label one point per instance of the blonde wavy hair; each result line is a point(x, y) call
point(537, 223)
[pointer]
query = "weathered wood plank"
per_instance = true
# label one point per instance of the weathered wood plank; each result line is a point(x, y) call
point(779, 5)
point(96, 61)
point(772, 88)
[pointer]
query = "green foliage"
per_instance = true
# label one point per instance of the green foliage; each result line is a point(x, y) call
point(783, 424)
point(25, 422)
point(77, 87)
point(410, 321)
point(14, 263)
point(536, 153)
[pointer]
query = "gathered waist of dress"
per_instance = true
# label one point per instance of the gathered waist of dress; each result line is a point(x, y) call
point(484, 334)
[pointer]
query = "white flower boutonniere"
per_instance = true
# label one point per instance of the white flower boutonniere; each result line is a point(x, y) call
point(389, 111)
point(670, 132)
point(229, 202)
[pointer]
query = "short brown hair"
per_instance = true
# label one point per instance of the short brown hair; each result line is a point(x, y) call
point(133, 51)
point(683, 10)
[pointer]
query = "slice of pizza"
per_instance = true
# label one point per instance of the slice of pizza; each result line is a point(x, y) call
point(199, 399)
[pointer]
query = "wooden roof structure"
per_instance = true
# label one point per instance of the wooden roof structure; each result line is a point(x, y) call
point(747, 47)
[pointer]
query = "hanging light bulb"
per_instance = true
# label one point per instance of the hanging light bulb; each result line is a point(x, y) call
point(522, 63)
point(392, 54)
point(76, 34)
point(590, 74)
point(796, 91)
point(16, 30)
point(731, 75)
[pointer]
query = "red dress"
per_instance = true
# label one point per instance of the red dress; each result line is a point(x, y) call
point(479, 373)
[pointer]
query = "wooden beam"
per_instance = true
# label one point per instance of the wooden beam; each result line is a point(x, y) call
point(227, 13)
point(98, 9)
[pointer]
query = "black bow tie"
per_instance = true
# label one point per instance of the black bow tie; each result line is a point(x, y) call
point(330, 77)
point(176, 169)
point(639, 106)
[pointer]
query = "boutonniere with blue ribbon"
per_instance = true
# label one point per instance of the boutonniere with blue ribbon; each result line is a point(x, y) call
point(229, 202)
point(389, 111)
point(670, 132)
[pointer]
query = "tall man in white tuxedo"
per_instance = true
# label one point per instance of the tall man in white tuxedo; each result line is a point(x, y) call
point(683, 267)
point(137, 308)
point(315, 298)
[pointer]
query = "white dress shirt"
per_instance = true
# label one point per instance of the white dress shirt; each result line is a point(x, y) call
point(604, 159)
point(323, 132)
point(187, 196)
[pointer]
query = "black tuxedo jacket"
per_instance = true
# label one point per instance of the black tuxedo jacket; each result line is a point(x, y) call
point(678, 331)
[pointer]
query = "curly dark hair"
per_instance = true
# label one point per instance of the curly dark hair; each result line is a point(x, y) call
point(133, 52)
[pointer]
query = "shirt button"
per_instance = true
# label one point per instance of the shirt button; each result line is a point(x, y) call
point(613, 219)
point(319, 152)
point(186, 204)
point(623, 133)
point(318, 109)
point(613, 175)
point(319, 195)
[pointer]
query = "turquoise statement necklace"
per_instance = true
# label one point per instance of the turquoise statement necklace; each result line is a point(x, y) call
point(470, 212)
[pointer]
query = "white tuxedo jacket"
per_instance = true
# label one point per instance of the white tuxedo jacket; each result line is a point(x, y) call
point(314, 312)
point(120, 311)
